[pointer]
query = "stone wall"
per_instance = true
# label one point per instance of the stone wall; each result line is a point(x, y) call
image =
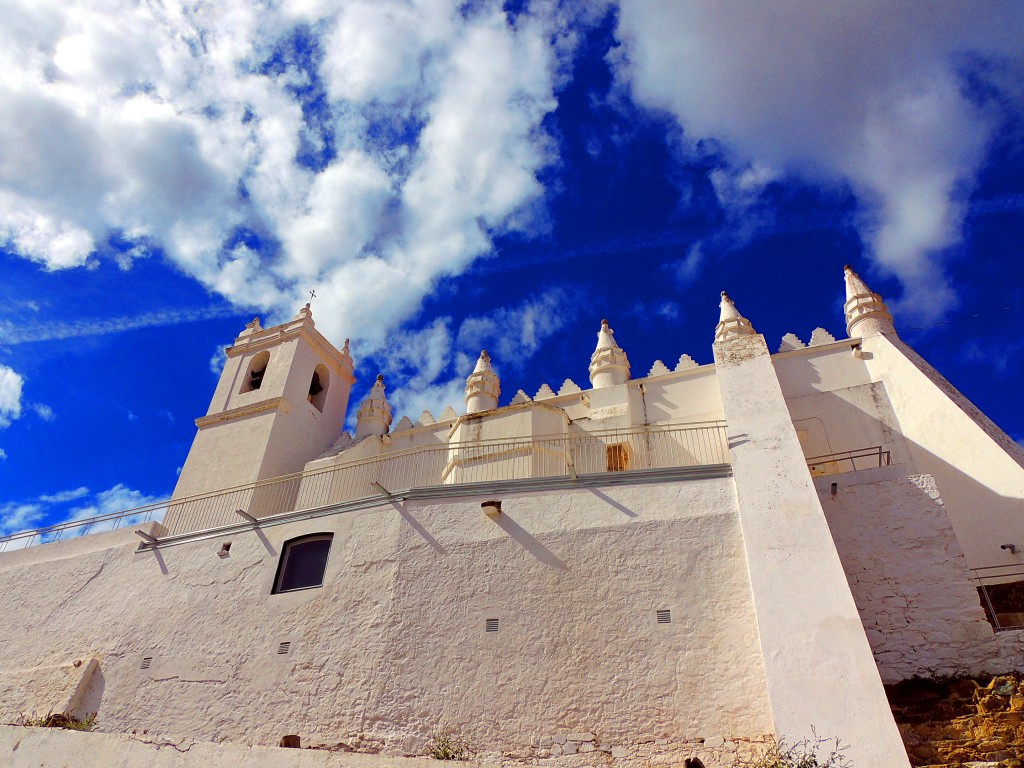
point(953, 721)
point(909, 577)
point(393, 645)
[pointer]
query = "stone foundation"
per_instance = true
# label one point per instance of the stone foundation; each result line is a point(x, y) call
point(962, 721)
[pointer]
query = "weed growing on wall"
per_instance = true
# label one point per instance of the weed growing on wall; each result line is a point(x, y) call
point(444, 746)
point(59, 720)
point(809, 753)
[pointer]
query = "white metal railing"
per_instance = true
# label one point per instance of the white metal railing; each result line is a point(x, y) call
point(849, 461)
point(486, 461)
point(74, 528)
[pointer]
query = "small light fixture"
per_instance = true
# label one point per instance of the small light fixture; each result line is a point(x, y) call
point(1012, 547)
point(858, 350)
point(146, 537)
point(834, 489)
point(491, 508)
point(224, 550)
point(246, 515)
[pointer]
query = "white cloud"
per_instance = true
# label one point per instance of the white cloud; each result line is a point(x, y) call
point(11, 383)
point(64, 496)
point(3, 454)
point(49, 509)
point(218, 359)
point(688, 268)
point(434, 362)
point(118, 498)
point(161, 122)
point(25, 334)
point(17, 516)
point(43, 411)
point(513, 335)
point(863, 91)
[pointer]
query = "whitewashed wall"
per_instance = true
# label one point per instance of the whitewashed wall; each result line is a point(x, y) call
point(394, 645)
point(909, 578)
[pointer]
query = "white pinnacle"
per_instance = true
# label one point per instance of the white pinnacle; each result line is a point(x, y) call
point(866, 313)
point(483, 387)
point(374, 416)
point(731, 323)
point(609, 364)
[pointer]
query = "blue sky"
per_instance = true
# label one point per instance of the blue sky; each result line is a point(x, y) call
point(452, 176)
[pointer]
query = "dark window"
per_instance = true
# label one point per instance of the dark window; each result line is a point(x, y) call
point(303, 563)
point(1003, 604)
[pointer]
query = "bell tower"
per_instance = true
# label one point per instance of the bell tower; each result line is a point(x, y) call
point(280, 402)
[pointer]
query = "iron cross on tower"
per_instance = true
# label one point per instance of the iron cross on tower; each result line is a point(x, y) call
point(312, 295)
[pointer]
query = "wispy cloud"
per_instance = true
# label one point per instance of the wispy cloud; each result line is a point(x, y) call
point(21, 515)
point(64, 496)
point(435, 360)
point(54, 508)
point(18, 516)
point(43, 411)
point(828, 97)
point(11, 383)
point(217, 360)
point(11, 334)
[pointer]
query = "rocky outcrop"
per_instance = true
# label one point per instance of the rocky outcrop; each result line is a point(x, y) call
point(976, 722)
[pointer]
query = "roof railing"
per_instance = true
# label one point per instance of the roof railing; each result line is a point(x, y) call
point(449, 464)
point(849, 461)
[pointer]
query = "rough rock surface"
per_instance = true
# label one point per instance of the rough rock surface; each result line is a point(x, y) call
point(962, 721)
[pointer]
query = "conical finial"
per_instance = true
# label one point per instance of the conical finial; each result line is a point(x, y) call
point(483, 363)
point(374, 416)
point(483, 387)
point(609, 364)
point(731, 323)
point(866, 313)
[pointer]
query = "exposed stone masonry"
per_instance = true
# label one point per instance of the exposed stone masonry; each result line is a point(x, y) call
point(962, 721)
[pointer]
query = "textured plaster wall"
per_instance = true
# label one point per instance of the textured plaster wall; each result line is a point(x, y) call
point(59, 688)
point(909, 577)
point(848, 419)
point(394, 645)
point(819, 666)
point(226, 450)
point(978, 468)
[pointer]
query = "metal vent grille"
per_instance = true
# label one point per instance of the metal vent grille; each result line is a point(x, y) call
point(664, 616)
point(491, 625)
point(284, 648)
point(147, 662)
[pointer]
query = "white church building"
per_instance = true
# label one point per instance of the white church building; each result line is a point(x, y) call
point(650, 569)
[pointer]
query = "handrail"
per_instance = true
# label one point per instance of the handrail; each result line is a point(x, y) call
point(829, 464)
point(461, 463)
